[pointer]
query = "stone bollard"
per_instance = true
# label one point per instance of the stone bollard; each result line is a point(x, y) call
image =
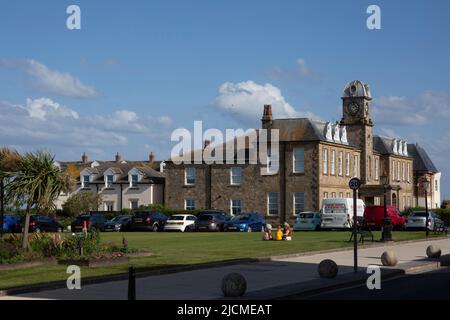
point(234, 285)
point(433, 252)
point(388, 258)
point(328, 269)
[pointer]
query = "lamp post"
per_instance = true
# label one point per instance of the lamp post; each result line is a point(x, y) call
point(387, 226)
point(425, 185)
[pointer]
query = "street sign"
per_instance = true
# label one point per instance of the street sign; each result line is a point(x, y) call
point(354, 183)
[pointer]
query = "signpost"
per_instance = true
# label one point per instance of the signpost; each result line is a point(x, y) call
point(354, 184)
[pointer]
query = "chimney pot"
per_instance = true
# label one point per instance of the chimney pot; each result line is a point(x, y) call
point(84, 158)
point(151, 157)
point(118, 157)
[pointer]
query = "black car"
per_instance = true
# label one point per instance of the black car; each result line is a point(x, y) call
point(211, 220)
point(93, 222)
point(119, 223)
point(39, 223)
point(148, 220)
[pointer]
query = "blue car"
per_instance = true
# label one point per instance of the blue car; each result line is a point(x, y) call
point(245, 222)
point(11, 223)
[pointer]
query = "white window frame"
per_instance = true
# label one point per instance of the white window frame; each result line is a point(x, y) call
point(107, 204)
point(377, 168)
point(325, 160)
point(235, 204)
point(131, 203)
point(191, 206)
point(83, 182)
point(398, 170)
point(333, 195)
point(298, 199)
point(187, 173)
point(341, 195)
point(233, 176)
point(132, 185)
point(393, 170)
point(403, 171)
point(109, 184)
point(340, 163)
point(347, 164)
point(300, 161)
point(356, 165)
point(269, 204)
point(408, 172)
point(333, 162)
point(325, 195)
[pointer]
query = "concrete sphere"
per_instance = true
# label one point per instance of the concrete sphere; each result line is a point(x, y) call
point(234, 285)
point(388, 258)
point(433, 252)
point(328, 269)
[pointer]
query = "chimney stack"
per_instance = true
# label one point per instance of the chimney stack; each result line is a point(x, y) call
point(84, 158)
point(267, 116)
point(118, 157)
point(207, 143)
point(151, 157)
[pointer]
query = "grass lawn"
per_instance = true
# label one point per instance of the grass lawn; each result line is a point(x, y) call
point(173, 249)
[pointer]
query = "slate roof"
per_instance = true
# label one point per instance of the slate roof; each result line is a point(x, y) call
point(422, 161)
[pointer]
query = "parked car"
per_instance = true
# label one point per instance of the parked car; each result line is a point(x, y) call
point(11, 223)
point(337, 213)
point(40, 223)
point(118, 223)
point(94, 221)
point(416, 220)
point(308, 221)
point(180, 222)
point(374, 217)
point(246, 222)
point(211, 220)
point(148, 220)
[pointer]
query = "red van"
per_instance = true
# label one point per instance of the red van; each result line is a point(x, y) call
point(374, 217)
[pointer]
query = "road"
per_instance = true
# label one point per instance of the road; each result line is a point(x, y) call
point(432, 285)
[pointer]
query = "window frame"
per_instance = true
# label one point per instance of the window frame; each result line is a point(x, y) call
point(233, 175)
point(295, 160)
point(189, 207)
point(325, 161)
point(295, 203)
point(186, 175)
point(233, 206)
point(269, 204)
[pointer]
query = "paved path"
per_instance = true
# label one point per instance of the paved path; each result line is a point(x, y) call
point(205, 283)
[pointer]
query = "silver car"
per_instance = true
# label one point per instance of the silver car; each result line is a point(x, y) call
point(416, 220)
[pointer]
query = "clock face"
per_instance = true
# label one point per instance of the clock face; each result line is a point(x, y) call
point(353, 108)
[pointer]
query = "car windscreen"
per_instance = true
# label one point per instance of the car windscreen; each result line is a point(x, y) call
point(306, 215)
point(205, 217)
point(176, 218)
point(140, 214)
point(240, 218)
point(418, 214)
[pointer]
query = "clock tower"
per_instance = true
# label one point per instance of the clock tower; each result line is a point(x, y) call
point(356, 104)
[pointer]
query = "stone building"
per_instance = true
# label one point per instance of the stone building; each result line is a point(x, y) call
point(316, 161)
point(122, 184)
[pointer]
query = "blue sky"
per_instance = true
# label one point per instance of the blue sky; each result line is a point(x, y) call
point(138, 69)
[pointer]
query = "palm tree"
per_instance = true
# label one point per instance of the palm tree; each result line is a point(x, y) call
point(9, 159)
point(37, 182)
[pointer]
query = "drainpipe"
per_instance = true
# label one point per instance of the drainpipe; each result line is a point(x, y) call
point(282, 182)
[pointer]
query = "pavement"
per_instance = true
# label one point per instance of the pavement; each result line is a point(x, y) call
point(271, 279)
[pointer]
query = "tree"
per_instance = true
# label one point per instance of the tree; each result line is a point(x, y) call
point(9, 159)
point(82, 202)
point(38, 182)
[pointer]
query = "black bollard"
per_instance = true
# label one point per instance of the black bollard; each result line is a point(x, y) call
point(131, 284)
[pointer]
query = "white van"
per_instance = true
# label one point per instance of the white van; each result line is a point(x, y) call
point(337, 213)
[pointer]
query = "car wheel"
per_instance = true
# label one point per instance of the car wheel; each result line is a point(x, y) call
point(155, 227)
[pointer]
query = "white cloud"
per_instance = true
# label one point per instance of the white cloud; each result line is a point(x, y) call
point(301, 71)
point(52, 81)
point(245, 100)
point(43, 123)
point(421, 110)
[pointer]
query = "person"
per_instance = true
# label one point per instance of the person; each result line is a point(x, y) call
point(267, 235)
point(279, 234)
point(287, 232)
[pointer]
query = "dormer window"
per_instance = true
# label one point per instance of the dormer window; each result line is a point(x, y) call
point(134, 180)
point(109, 179)
point(85, 180)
